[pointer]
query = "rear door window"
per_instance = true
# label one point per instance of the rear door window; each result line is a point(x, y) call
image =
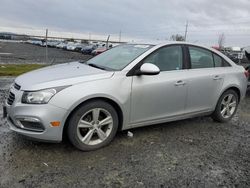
point(200, 58)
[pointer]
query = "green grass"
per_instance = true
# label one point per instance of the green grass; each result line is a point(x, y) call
point(17, 69)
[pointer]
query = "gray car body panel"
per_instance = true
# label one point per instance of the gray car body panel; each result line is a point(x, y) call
point(143, 100)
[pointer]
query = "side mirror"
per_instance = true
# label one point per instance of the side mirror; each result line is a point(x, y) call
point(148, 69)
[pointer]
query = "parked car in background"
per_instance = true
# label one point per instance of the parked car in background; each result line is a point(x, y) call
point(36, 42)
point(79, 46)
point(111, 92)
point(98, 51)
point(88, 49)
point(61, 45)
point(52, 44)
point(101, 48)
point(234, 53)
point(248, 69)
point(233, 56)
point(71, 46)
point(247, 54)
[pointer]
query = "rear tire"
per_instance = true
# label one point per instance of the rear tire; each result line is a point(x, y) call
point(226, 106)
point(93, 125)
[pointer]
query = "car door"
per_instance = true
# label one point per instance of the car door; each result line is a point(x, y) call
point(203, 79)
point(163, 95)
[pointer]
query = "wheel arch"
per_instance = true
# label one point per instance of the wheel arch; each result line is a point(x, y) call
point(116, 106)
point(234, 88)
point(216, 115)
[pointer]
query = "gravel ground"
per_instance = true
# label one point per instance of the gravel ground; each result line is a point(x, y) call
point(191, 153)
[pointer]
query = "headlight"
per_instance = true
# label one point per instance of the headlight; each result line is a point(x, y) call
point(40, 97)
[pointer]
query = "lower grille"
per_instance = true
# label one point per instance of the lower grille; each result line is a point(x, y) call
point(32, 126)
point(11, 98)
point(27, 125)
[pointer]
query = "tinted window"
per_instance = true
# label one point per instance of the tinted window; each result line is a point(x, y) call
point(219, 62)
point(166, 58)
point(200, 58)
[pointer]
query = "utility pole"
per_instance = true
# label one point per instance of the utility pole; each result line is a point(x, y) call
point(46, 47)
point(107, 42)
point(120, 36)
point(186, 31)
point(89, 36)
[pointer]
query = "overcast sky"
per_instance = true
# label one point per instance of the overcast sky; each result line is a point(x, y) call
point(136, 19)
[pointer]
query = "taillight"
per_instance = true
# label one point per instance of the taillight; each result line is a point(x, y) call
point(247, 73)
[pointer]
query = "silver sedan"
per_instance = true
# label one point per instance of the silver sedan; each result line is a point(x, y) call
point(129, 86)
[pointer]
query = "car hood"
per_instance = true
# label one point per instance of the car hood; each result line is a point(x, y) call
point(60, 75)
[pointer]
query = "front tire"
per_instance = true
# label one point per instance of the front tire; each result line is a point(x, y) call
point(226, 106)
point(93, 125)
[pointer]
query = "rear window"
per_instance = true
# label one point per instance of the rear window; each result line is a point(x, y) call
point(220, 62)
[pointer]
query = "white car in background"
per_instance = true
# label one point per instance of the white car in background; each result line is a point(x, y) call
point(61, 45)
point(71, 46)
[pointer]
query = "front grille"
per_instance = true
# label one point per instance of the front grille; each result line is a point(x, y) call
point(16, 86)
point(10, 98)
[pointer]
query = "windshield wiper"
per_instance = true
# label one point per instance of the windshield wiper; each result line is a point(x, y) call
point(96, 66)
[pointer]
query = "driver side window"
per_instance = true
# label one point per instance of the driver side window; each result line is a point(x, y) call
point(167, 58)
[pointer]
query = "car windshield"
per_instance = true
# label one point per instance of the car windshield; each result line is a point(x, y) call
point(118, 57)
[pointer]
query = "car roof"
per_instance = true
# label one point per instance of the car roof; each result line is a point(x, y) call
point(163, 43)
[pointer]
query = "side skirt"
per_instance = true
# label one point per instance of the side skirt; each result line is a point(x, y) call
point(168, 119)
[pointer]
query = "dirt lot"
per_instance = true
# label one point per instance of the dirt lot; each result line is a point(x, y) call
point(191, 153)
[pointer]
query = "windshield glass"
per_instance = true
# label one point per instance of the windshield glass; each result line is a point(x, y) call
point(119, 57)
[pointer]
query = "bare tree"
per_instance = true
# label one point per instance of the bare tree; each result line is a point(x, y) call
point(177, 37)
point(221, 40)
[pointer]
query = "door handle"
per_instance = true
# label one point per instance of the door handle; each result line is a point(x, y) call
point(179, 83)
point(217, 77)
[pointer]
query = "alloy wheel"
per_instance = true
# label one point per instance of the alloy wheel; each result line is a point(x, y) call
point(94, 126)
point(228, 105)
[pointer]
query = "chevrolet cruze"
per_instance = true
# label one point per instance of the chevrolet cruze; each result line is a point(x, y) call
point(129, 86)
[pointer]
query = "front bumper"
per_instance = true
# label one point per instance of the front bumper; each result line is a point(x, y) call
point(35, 115)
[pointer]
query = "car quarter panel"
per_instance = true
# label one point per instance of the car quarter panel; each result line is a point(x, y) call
point(234, 77)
